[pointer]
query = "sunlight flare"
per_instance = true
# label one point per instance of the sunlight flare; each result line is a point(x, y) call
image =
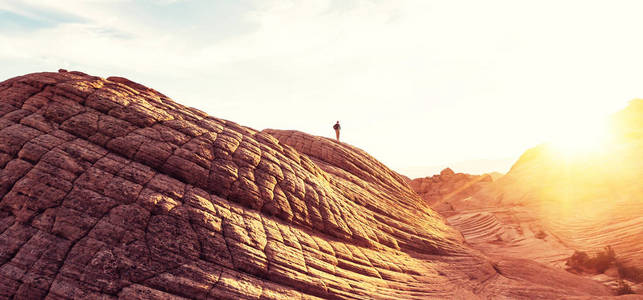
point(580, 137)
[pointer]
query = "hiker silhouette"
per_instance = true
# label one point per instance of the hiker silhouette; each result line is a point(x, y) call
point(337, 127)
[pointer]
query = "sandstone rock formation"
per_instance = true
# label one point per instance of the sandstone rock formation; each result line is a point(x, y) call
point(606, 185)
point(551, 204)
point(448, 185)
point(109, 189)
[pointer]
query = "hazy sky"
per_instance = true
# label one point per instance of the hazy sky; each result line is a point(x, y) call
point(470, 84)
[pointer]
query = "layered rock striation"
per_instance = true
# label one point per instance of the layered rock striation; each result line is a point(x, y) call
point(109, 189)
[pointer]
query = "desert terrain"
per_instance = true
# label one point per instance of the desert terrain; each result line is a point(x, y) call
point(111, 190)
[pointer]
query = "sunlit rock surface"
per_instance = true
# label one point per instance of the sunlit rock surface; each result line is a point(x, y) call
point(111, 190)
point(589, 199)
point(553, 203)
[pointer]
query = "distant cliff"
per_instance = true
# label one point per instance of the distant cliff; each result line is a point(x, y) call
point(448, 185)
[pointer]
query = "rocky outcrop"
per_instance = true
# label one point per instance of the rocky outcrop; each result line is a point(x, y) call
point(109, 189)
point(448, 185)
point(606, 184)
point(551, 204)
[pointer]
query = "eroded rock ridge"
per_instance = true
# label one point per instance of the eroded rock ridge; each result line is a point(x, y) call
point(112, 190)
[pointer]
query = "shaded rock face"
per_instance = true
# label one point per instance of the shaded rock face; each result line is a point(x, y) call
point(109, 189)
point(448, 185)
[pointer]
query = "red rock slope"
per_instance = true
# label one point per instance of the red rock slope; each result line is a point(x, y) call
point(111, 190)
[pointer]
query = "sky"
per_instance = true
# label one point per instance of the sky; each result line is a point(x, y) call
point(420, 85)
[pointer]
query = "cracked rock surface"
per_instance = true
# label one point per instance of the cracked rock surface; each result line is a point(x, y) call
point(109, 189)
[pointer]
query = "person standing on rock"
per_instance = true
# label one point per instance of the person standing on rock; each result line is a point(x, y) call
point(337, 128)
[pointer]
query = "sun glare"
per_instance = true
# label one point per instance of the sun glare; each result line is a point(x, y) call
point(577, 138)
